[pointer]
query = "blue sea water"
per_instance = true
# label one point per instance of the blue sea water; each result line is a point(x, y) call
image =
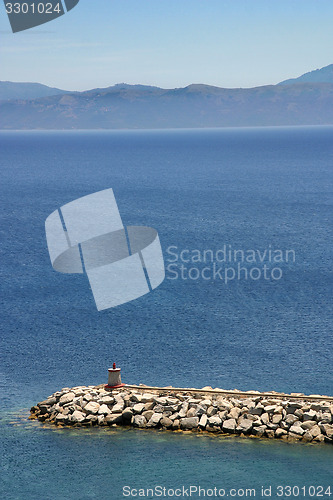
point(201, 189)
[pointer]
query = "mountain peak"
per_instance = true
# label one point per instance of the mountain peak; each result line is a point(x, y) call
point(133, 86)
point(26, 90)
point(322, 75)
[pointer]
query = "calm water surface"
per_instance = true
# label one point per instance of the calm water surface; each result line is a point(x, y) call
point(203, 189)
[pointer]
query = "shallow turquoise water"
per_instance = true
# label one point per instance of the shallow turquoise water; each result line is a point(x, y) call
point(55, 464)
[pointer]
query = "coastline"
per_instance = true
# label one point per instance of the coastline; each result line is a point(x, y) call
point(290, 417)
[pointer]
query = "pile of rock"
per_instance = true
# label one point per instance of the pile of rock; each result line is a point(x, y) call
point(259, 415)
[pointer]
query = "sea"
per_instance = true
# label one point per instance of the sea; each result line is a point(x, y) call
point(244, 218)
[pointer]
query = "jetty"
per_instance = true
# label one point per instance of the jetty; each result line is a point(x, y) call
point(289, 417)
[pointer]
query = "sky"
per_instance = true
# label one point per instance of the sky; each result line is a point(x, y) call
point(171, 43)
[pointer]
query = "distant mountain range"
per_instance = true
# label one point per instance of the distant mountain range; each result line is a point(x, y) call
point(323, 75)
point(307, 100)
point(22, 90)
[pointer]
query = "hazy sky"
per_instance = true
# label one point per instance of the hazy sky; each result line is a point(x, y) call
point(171, 43)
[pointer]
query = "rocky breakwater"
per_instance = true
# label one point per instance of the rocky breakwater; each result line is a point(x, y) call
point(234, 413)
